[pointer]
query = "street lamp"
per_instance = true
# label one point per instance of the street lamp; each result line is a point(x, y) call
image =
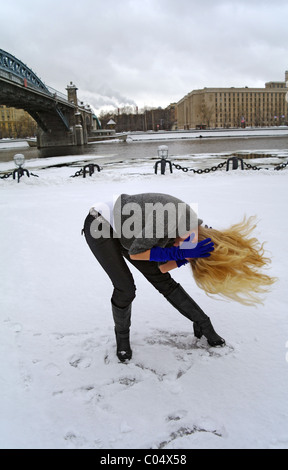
point(163, 154)
point(163, 151)
point(19, 161)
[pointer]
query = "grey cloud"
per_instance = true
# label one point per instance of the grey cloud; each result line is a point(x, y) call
point(149, 52)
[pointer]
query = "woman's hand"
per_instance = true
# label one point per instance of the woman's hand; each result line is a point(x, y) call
point(202, 249)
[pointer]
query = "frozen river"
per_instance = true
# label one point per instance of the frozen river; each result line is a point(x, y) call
point(143, 149)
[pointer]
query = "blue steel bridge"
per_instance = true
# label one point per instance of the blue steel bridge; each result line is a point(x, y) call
point(62, 120)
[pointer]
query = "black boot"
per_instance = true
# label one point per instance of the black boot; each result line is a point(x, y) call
point(122, 320)
point(188, 307)
point(206, 329)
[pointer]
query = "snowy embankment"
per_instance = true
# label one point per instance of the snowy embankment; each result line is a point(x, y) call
point(13, 143)
point(61, 383)
point(281, 131)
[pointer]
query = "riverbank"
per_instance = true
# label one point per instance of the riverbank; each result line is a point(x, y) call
point(211, 133)
point(13, 143)
point(174, 135)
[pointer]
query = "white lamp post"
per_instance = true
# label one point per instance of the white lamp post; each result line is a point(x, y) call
point(19, 160)
point(163, 154)
point(163, 151)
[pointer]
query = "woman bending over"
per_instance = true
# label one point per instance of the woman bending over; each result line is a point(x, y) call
point(157, 233)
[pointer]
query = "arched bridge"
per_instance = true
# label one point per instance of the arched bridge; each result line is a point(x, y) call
point(62, 120)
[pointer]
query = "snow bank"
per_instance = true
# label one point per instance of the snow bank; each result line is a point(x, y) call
point(61, 383)
point(11, 144)
point(209, 133)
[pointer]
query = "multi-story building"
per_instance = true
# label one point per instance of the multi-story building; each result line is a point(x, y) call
point(235, 107)
point(16, 123)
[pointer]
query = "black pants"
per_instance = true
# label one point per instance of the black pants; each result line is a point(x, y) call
point(110, 254)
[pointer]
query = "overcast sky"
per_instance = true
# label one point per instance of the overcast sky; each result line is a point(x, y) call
point(147, 52)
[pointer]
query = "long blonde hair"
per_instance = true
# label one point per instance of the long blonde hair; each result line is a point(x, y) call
point(233, 269)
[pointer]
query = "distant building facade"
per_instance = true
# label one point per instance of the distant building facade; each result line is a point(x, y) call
point(16, 123)
point(234, 107)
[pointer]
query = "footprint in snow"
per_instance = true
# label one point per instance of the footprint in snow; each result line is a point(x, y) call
point(53, 370)
point(186, 431)
point(80, 362)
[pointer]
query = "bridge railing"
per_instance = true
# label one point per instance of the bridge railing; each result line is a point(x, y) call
point(22, 81)
point(57, 94)
point(11, 77)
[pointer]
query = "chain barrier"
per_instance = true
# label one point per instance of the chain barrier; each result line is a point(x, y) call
point(218, 167)
point(91, 168)
point(18, 174)
point(87, 169)
point(199, 171)
point(78, 173)
point(253, 167)
point(5, 176)
point(281, 166)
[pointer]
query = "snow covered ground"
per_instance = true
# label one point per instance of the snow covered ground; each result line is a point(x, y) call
point(61, 385)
